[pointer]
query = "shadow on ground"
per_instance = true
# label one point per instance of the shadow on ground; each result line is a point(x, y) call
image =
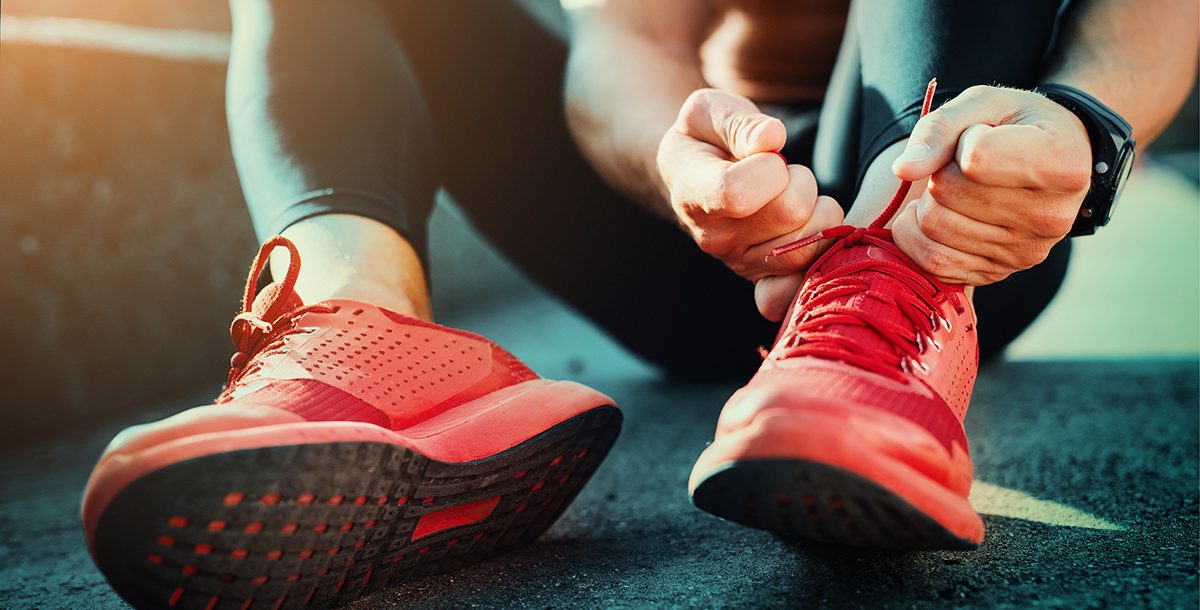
point(1113, 439)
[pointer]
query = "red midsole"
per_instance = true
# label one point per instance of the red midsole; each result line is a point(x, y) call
point(861, 442)
point(475, 430)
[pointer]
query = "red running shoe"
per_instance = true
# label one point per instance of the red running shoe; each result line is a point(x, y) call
point(851, 431)
point(353, 447)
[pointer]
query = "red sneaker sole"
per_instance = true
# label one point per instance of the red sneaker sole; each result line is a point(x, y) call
point(838, 474)
point(320, 524)
point(799, 499)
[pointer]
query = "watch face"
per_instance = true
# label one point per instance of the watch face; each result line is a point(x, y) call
point(1122, 178)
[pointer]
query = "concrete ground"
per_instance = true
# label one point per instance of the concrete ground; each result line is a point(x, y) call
point(1085, 437)
point(1085, 446)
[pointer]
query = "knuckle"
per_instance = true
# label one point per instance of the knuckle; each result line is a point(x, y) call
point(828, 212)
point(802, 176)
point(1032, 256)
point(975, 92)
point(938, 124)
point(803, 182)
point(1048, 223)
point(974, 162)
point(937, 261)
point(1076, 178)
point(997, 274)
point(946, 185)
point(729, 197)
point(715, 243)
point(931, 222)
point(696, 107)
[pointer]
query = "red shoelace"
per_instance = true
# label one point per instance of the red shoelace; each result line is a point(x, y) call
point(258, 334)
point(824, 305)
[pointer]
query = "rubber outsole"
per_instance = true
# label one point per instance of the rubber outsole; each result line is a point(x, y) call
point(807, 500)
point(318, 525)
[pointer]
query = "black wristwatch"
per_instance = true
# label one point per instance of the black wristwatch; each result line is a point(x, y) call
point(1112, 154)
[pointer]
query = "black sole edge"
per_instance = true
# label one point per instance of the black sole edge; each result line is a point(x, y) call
point(805, 500)
point(319, 525)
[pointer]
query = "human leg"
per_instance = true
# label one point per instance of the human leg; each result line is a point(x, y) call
point(333, 144)
point(355, 445)
point(511, 165)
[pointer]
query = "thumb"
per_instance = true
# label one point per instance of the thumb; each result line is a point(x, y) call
point(749, 133)
point(730, 122)
point(930, 147)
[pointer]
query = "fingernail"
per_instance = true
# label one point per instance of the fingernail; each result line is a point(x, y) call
point(913, 153)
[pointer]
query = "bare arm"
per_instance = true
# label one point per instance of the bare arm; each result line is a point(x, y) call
point(1139, 58)
point(632, 65)
point(639, 109)
point(1022, 163)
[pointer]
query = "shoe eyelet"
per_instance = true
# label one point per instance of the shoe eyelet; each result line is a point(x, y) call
point(909, 364)
point(945, 322)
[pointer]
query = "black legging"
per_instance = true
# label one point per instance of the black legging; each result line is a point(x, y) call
point(367, 107)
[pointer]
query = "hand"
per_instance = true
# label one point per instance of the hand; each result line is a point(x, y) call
point(1008, 171)
point(737, 197)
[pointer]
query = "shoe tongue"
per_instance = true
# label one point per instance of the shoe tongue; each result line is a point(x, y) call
point(842, 256)
point(878, 301)
point(272, 302)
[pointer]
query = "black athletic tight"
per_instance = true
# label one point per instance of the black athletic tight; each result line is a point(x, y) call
point(368, 106)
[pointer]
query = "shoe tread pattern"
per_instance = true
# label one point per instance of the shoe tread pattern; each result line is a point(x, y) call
point(806, 500)
point(319, 525)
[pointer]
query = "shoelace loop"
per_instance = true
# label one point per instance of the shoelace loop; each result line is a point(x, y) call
point(919, 303)
point(252, 335)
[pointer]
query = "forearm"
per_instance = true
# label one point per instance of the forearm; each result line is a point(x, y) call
point(623, 92)
point(1138, 58)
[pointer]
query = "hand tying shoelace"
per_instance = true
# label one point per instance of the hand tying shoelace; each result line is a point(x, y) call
point(825, 306)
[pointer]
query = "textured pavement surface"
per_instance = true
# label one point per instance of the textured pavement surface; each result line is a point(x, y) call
point(1108, 450)
point(1086, 474)
point(1086, 445)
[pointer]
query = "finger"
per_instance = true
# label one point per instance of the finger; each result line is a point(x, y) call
point(826, 214)
point(941, 261)
point(730, 122)
point(774, 294)
point(952, 229)
point(934, 139)
point(689, 168)
point(745, 187)
point(784, 214)
point(701, 179)
point(945, 225)
point(1014, 156)
point(1025, 156)
point(1018, 211)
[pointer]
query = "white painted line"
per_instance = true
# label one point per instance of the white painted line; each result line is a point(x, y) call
point(197, 45)
point(1000, 501)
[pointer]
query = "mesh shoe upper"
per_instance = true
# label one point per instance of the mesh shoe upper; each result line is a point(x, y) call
point(871, 328)
point(351, 361)
point(923, 362)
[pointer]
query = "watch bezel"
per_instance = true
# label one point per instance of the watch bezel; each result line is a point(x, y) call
point(1112, 144)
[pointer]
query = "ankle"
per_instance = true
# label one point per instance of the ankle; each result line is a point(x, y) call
point(351, 257)
point(367, 291)
point(879, 186)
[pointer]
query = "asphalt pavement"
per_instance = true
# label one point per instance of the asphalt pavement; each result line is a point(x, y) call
point(1087, 474)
